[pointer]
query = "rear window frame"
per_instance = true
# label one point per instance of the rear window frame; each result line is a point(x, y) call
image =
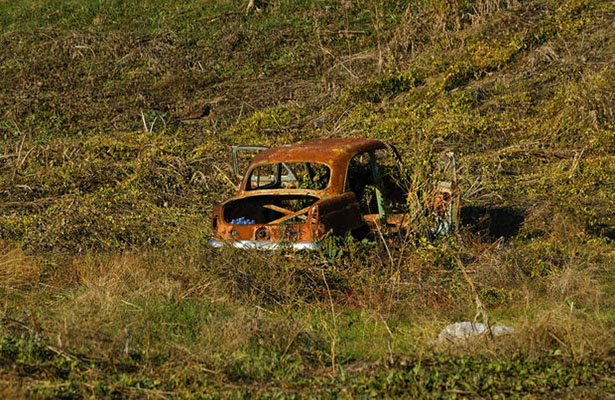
point(283, 166)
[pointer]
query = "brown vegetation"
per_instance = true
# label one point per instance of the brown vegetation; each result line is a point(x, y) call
point(116, 122)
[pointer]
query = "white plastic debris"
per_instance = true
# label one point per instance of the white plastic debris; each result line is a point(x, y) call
point(467, 330)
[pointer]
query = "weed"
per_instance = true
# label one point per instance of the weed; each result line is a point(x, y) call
point(115, 129)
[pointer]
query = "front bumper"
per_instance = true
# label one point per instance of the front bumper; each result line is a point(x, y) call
point(266, 245)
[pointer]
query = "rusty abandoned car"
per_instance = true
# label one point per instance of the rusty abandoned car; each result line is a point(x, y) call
point(294, 195)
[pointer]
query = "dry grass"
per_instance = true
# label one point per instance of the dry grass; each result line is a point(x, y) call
point(575, 285)
point(17, 270)
point(115, 146)
point(173, 316)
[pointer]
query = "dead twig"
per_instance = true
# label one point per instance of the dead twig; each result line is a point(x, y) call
point(333, 316)
point(390, 341)
point(250, 6)
point(480, 308)
point(32, 203)
point(234, 185)
point(7, 156)
point(575, 162)
point(147, 129)
point(54, 349)
point(19, 148)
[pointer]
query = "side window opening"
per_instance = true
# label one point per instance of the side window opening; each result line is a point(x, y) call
point(390, 180)
point(361, 179)
point(265, 177)
point(376, 180)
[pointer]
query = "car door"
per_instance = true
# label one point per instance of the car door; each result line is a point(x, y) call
point(391, 188)
point(446, 200)
point(378, 187)
point(242, 156)
point(382, 189)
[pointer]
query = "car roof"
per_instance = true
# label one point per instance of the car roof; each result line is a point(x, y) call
point(327, 151)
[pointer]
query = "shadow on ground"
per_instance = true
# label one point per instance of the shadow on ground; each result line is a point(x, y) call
point(492, 222)
point(603, 231)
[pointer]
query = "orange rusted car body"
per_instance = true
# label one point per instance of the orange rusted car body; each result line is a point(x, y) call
point(296, 194)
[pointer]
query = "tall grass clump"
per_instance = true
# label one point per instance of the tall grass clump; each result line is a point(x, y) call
point(115, 146)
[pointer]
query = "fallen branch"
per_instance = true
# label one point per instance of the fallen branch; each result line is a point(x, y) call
point(8, 156)
point(32, 203)
point(19, 148)
point(234, 185)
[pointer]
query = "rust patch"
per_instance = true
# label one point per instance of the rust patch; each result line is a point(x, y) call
point(299, 192)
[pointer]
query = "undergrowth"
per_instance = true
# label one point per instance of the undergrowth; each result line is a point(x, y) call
point(116, 121)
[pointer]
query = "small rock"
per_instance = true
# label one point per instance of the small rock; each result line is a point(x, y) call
point(467, 330)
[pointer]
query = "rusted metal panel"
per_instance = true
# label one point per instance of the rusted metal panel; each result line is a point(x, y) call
point(273, 208)
point(335, 153)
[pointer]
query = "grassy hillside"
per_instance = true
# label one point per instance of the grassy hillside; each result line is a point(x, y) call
point(116, 121)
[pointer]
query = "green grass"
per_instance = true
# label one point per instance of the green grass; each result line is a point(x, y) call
point(109, 287)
